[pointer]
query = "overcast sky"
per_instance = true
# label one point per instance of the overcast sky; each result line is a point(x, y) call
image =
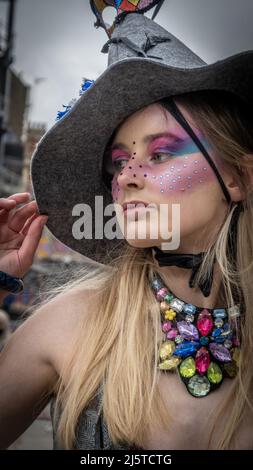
point(56, 40)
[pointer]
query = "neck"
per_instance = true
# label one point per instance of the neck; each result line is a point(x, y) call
point(177, 280)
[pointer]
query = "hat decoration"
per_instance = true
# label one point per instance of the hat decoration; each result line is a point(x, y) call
point(86, 83)
point(122, 7)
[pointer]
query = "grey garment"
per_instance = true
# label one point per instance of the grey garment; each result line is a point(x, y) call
point(92, 432)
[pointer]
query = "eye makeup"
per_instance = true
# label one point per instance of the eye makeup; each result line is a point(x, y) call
point(183, 171)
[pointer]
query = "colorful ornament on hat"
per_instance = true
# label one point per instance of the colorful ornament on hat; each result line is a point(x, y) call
point(86, 84)
point(122, 7)
point(201, 343)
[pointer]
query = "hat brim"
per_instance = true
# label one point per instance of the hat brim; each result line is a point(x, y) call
point(66, 168)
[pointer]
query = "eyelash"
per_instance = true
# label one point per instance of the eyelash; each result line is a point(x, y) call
point(118, 160)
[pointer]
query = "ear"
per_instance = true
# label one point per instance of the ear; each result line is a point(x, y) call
point(234, 188)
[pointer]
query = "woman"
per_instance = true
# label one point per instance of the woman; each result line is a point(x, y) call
point(99, 347)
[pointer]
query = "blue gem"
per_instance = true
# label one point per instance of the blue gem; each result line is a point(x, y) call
point(157, 284)
point(204, 340)
point(189, 309)
point(216, 332)
point(186, 349)
point(219, 339)
point(219, 313)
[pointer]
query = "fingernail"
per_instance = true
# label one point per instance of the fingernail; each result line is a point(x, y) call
point(44, 219)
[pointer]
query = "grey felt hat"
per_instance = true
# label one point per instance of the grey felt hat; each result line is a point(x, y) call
point(145, 64)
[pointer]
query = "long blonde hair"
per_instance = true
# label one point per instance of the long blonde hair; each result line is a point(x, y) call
point(118, 342)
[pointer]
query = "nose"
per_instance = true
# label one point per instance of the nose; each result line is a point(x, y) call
point(132, 176)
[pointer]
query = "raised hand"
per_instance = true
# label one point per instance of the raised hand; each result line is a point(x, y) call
point(20, 233)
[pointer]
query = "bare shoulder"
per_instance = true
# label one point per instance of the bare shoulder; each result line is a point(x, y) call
point(54, 326)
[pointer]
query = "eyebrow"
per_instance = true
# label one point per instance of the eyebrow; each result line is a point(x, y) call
point(147, 139)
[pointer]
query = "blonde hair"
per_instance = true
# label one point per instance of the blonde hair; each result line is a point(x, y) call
point(118, 342)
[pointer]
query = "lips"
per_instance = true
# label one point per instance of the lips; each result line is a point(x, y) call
point(132, 204)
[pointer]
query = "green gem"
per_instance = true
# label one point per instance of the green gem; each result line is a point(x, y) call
point(199, 386)
point(231, 369)
point(187, 368)
point(214, 373)
point(168, 298)
point(169, 364)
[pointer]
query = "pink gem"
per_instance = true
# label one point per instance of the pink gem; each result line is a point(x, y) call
point(161, 293)
point(236, 341)
point(166, 326)
point(205, 322)
point(202, 360)
point(172, 334)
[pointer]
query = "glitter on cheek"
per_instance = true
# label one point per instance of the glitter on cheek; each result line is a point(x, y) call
point(165, 179)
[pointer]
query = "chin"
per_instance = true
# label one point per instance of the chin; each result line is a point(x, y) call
point(139, 243)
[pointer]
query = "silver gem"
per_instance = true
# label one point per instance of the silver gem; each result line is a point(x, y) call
point(228, 344)
point(218, 322)
point(177, 305)
point(234, 311)
point(189, 318)
point(179, 339)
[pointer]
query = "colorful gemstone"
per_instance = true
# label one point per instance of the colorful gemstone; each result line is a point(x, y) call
point(161, 293)
point(236, 355)
point(188, 331)
point(166, 350)
point(164, 306)
point(177, 305)
point(214, 373)
point(226, 331)
point(220, 353)
point(170, 364)
point(168, 298)
point(170, 314)
point(202, 360)
point(178, 339)
point(236, 341)
point(204, 340)
point(216, 332)
point(186, 348)
point(156, 284)
point(189, 318)
point(187, 368)
point(172, 334)
point(199, 386)
point(219, 313)
point(231, 369)
point(228, 344)
point(189, 309)
point(234, 311)
point(218, 322)
point(166, 326)
point(205, 322)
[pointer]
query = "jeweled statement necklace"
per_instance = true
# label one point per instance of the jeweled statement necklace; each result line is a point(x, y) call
point(203, 344)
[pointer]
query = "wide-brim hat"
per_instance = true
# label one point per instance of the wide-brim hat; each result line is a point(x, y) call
point(145, 64)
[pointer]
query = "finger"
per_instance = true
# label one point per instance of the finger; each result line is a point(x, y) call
point(31, 241)
point(7, 203)
point(19, 218)
point(27, 225)
point(20, 197)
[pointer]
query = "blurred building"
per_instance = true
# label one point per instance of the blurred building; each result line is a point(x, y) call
point(33, 134)
point(12, 146)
